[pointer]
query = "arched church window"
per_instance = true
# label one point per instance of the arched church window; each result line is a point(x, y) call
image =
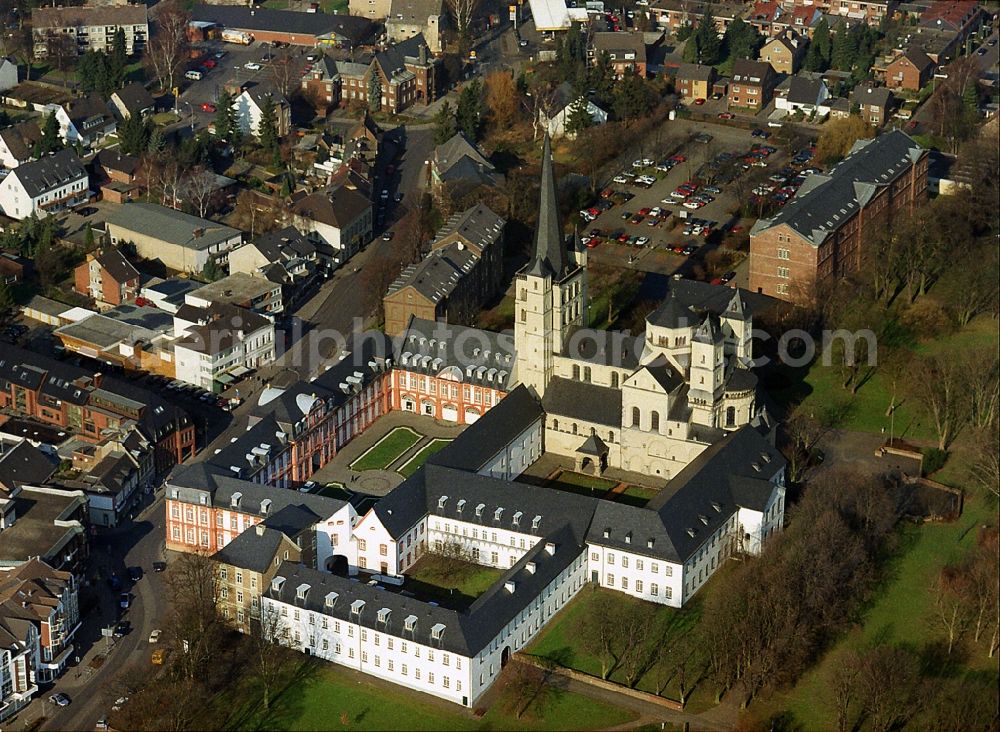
point(654, 421)
point(635, 416)
point(614, 380)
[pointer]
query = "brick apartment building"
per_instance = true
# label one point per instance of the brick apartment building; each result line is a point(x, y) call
point(910, 70)
point(752, 84)
point(626, 50)
point(819, 236)
point(107, 277)
point(88, 403)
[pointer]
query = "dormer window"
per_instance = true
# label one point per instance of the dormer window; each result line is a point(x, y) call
point(517, 518)
point(535, 522)
point(479, 510)
point(265, 506)
point(437, 631)
point(234, 502)
point(628, 538)
point(357, 606)
point(276, 584)
point(301, 591)
point(383, 615)
point(331, 599)
point(441, 501)
point(461, 505)
point(410, 623)
point(497, 514)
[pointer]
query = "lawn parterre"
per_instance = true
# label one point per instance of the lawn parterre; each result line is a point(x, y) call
point(587, 485)
point(453, 582)
point(413, 464)
point(387, 450)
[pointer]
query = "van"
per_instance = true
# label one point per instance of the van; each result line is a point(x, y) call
point(193, 75)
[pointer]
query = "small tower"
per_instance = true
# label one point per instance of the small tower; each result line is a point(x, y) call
point(707, 373)
point(738, 324)
point(549, 292)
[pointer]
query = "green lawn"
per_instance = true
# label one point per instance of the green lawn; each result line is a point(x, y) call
point(820, 387)
point(330, 696)
point(387, 450)
point(901, 612)
point(587, 485)
point(560, 641)
point(334, 490)
point(414, 463)
point(635, 495)
point(453, 582)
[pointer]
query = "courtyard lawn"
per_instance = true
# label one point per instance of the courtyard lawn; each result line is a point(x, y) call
point(413, 464)
point(453, 582)
point(334, 490)
point(560, 641)
point(334, 698)
point(634, 495)
point(387, 450)
point(587, 485)
point(901, 612)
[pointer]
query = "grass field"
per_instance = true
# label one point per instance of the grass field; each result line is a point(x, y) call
point(453, 582)
point(635, 495)
point(560, 640)
point(901, 612)
point(332, 698)
point(413, 464)
point(587, 485)
point(387, 450)
point(334, 490)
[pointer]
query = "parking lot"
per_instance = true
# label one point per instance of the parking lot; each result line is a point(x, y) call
point(659, 212)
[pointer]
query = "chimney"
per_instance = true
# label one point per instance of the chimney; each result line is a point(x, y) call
point(198, 232)
point(260, 529)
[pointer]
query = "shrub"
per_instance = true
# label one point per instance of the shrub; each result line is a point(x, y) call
point(934, 460)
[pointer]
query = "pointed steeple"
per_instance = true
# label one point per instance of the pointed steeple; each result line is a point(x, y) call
point(672, 314)
point(736, 308)
point(550, 251)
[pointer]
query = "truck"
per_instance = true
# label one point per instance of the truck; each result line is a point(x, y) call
point(233, 36)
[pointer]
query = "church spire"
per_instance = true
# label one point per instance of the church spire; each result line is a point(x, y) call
point(550, 249)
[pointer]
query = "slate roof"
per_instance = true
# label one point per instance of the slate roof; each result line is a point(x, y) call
point(826, 201)
point(218, 328)
point(437, 275)
point(917, 57)
point(50, 172)
point(482, 440)
point(632, 41)
point(804, 91)
point(24, 463)
point(242, 17)
point(468, 355)
point(746, 71)
point(392, 60)
point(83, 113)
point(167, 224)
point(284, 244)
point(414, 11)
point(135, 98)
point(477, 225)
point(606, 347)
point(549, 259)
point(252, 550)
point(696, 72)
point(566, 398)
point(337, 207)
point(868, 94)
point(458, 159)
point(21, 138)
point(114, 159)
point(120, 269)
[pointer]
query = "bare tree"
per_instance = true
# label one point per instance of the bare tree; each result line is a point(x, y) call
point(269, 655)
point(982, 383)
point(600, 633)
point(847, 690)
point(60, 48)
point(937, 383)
point(527, 688)
point(462, 13)
point(193, 622)
point(634, 630)
point(951, 603)
point(201, 188)
point(283, 71)
point(891, 677)
point(986, 460)
point(167, 48)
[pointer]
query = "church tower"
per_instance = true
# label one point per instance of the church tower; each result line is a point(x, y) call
point(707, 373)
point(550, 292)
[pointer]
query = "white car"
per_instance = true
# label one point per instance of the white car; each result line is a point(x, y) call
point(154, 637)
point(693, 204)
point(119, 703)
point(642, 241)
point(622, 178)
point(655, 211)
point(648, 179)
point(252, 66)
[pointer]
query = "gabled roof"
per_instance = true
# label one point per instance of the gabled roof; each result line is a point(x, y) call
point(87, 111)
point(450, 153)
point(622, 41)
point(116, 265)
point(746, 71)
point(414, 11)
point(112, 158)
point(253, 550)
point(392, 60)
point(50, 172)
point(259, 94)
point(920, 60)
point(243, 17)
point(467, 355)
point(696, 72)
point(24, 463)
point(167, 224)
point(804, 91)
point(21, 138)
point(73, 17)
point(337, 207)
point(566, 398)
point(134, 97)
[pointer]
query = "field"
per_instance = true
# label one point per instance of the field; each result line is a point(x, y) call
point(327, 697)
point(387, 450)
point(414, 463)
point(452, 582)
point(587, 485)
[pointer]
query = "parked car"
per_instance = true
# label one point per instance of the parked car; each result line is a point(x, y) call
point(124, 601)
point(135, 573)
point(252, 66)
point(727, 115)
point(154, 637)
point(159, 566)
point(60, 699)
point(119, 703)
point(208, 107)
point(122, 629)
point(193, 75)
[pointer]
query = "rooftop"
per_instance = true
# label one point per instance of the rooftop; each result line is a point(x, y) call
point(174, 227)
point(36, 533)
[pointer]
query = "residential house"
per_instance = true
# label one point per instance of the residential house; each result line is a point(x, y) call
point(218, 345)
point(694, 81)
point(626, 50)
point(8, 74)
point(114, 475)
point(17, 143)
point(784, 52)
point(370, 9)
point(250, 106)
point(672, 15)
point(565, 101)
point(47, 598)
point(18, 644)
point(870, 11)
point(909, 71)
point(86, 120)
point(341, 217)
point(961, 17)
point(808, 95)
point(873, 103)
point(409, 18)
point(752, 84)
point(14, 268)
point(322, 82)
point(119, 176)
point(406, 73)
point(91, 405)
point(245, 566)
point(182, 242)
point(286, 257)
point(107, 277)
point(459, 162)
point(54, 183)
point(92, 26)
point(131, 99)
point(819, 235)
point(463, 271)
point(21, 463)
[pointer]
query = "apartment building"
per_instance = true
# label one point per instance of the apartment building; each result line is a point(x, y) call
point(694, 81)
point(250, 106)
point(107, 277)
point(52, 184)
point(626, 50)
point(341, 217)
point(752, 84)
point(819, 236)
point(92, 27)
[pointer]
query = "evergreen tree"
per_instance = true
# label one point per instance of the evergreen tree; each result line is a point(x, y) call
point(709, 46)
point(51, 141)
point(844, 50)
point(374, 92)
point(88, 238)
point(227, 125)
point(741, 41)
point(6, 297)
point(602, 76)
point(579, 117)
point(48, 259)
point(469, 112)
point(444, 124)
point(821, 40)
point(268, 129)
point(632, 98)
point(89, 69)
point(156, 141)
point(212, 271)
point(134, 134)
point(118, 59)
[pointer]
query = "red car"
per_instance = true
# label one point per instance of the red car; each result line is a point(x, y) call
point(207, 107)
point(644, 211)
point(698, 102)
point(593, 242)
point(727, 115)
point(210, 64)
